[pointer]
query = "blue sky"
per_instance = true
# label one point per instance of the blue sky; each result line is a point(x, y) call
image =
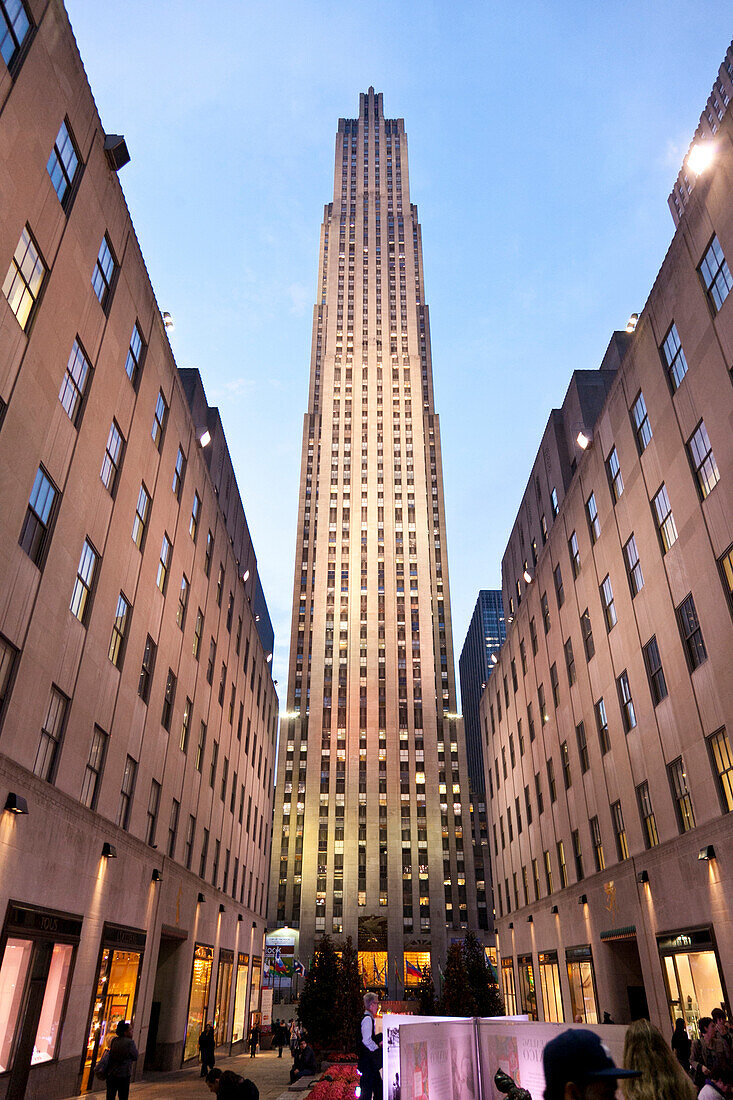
point(544, 139)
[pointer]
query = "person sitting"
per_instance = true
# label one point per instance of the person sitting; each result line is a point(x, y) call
point(227, 1085)
point(304, 1063)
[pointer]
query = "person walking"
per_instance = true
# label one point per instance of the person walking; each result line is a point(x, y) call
point(699, 1053)
point(254, 1038)
point(662, 1076)
point(280, 1037)
point(121, 1062)
point(207, 1048)
point(369, 1062)
point(681, 1044)
point(294, 1036)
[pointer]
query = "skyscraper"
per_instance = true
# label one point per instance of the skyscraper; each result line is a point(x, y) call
point(372, 796)
point(484, 637)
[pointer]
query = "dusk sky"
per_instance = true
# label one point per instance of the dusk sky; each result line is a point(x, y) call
point(544, 139)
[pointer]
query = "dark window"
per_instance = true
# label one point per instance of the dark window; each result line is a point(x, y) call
point(193, 523)
point(52, 732)
point(559, 590)
point(673, 358)
point(38, 522)
point(628, 714)
point(545, 613)
point(538, 792)
point(587, 632)
point(551, 784)
point(633, 567)
point(582, 747)
point(204, 854)
point(142, 513)
point(602, 726)
point(609, 608)
point(186, 725)
point(691, 633)
point(665, 520)
point(179, 472)
point(619, 831)
point(715, 274)
point(112, 457)
point(574, 553)
point(544, 715)
point(119, 631)
point(152, 814)
point(640, 420)
point(681, 795)
point(94, 768)
point(565, 760)
point(188, 843)
point(533, 636)
point(25, 277)
point(570, 662)
point(655, 672)
point(166, 552)
point(126, 792)
point(598, 857)
point(160, 417)
point(74, 384)
point(197, 633)
point(578, 855)
point(594, 524)
point(201, 748)
point(168, 700)
point(103, 276)
point(613, 469)
point(135, 355)
point(173, 827)
point(146, 669)
point(554, 680)
point(214, 758)
point(646, 813)
point(703, 460)
point(63, 162)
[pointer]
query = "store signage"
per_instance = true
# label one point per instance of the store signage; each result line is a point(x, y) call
point(698, 940)
point(42, 922)
point(114, 935)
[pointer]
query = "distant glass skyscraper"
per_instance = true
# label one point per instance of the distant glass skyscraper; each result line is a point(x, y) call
point(485, 636)
point(372, 801)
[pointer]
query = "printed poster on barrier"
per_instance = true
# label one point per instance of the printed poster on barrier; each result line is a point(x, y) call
point(438, 1061)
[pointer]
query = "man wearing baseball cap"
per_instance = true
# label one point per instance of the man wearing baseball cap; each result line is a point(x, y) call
point(578, 1066)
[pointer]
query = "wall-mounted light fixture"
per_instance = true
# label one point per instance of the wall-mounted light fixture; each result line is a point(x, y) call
point(511, 924)
point(16, 804)
point(530, 919)
point(109, 851)
point(201, 899)
point(708, 852)
point(222, 909)
point(157, 875)
point(583, 899)
point(643, 876)
point(554, 910)
point(240, 918)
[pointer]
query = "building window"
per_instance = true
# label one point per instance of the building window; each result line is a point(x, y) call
point(164, 563)
point(63, 164)
point(219, 585)
point(188, 843)
point(73, 386)
point(127, 790)
point(562, 865)
point(209, 552)
point(14, 26)
point(691, 633)
point(673, 357)
point(565, 758)
point(200, 748)
point(104, 272)
point(715, 274)
point(152, 814)
point(574, 554)
point(725, 563)
point(168, 700)
point(655, 672)
point(182, 601)
point(112, 457)
point(615, 480)
point(570, 661)
point(619, 831)
point(642, 427)
point(559, 590)
point(551, 989)
point(39, 517)
point(545, 613)
point(533, 636)
point(587, 632)
point(609, 608)
point(119, 631)
point(602, 726)
point(51, 734)
point(553, 502)
point(93, 769)
point(582, 747)
point(646, 813)
point(179, 473)
point(211, 662)
point(703, 460)
point(665, 520)
point(8, 654)
point(159, 419)
point(24, 280)
point(544, 715)
point(146, 669)
point(197, 633)
point(555, 682)
point(142, 511)
point(633, 567)
point(722, 762)
point(80, 596)
point(135, 354)
point(681, 795)
point(193, 524)
point(173, 827)
point(599, 858)
point(185, 725)
point(628, 714)
point(551, 784)
point(578, 855)
point(594, 524)
point(548, 871)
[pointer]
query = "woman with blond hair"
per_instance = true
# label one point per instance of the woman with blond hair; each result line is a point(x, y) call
point(662, 1077)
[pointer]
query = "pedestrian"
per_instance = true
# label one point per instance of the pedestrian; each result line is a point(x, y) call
point(228, 1085)
point(578, 1067)
point(717, 1087)
point(699, 1051)
point(121, 1057)
point(294, 1036)
point(207, 1048)
point(369, 1047)
point(719, 1046)
point(280, 1036)
point(254, 1038)
point(662, 1076)
point(304, 1063)
point(681, 1044)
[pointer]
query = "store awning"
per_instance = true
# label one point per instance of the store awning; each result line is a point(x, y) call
point(628, 932)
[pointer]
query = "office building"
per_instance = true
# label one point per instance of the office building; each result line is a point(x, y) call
point(137, 711)
point(484, 638)
point(372, 803)
point(609, 714)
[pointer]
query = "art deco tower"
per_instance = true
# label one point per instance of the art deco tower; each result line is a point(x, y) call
point(372, 830)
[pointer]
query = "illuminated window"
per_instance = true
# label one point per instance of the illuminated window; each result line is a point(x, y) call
point(24, 280)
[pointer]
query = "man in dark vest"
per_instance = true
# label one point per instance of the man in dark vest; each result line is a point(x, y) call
point(369, 1046)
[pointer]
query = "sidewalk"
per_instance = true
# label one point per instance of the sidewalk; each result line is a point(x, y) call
point(270, 1073)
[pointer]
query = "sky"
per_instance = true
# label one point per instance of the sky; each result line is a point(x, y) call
point(544, 139)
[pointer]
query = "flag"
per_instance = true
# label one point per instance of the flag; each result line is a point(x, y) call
point(440, 971)
point(299, 968)
point(279, 966)
point(412, 970)
point(397, 975)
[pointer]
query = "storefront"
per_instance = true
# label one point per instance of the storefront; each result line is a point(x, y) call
point(240, 998)
point(550, 986)
point(254, 996)
point(37, 949)
point(115, 995)
point(527, 991)
point(198, 1001)
point(582, 979)
point(692, 975)
point(223, 995)
point(508, 987)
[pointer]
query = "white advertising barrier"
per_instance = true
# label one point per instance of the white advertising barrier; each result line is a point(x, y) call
point(439, 1060)
point(391, 1024)
point(266, 1007)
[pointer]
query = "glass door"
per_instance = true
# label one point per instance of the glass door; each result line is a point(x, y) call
point(223, 992)
point(114, 1000)
point(198, 1003)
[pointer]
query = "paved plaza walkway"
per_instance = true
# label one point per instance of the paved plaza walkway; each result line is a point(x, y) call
point(270, 1073)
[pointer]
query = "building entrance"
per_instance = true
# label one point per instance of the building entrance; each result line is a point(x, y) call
point(198, 1002)
point(223, 995)
point(692, 975)
point(115, 996)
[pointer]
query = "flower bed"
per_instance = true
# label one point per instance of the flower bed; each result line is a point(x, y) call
point(338, 1083)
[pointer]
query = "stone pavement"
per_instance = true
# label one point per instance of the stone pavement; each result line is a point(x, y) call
point(270, 1073)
